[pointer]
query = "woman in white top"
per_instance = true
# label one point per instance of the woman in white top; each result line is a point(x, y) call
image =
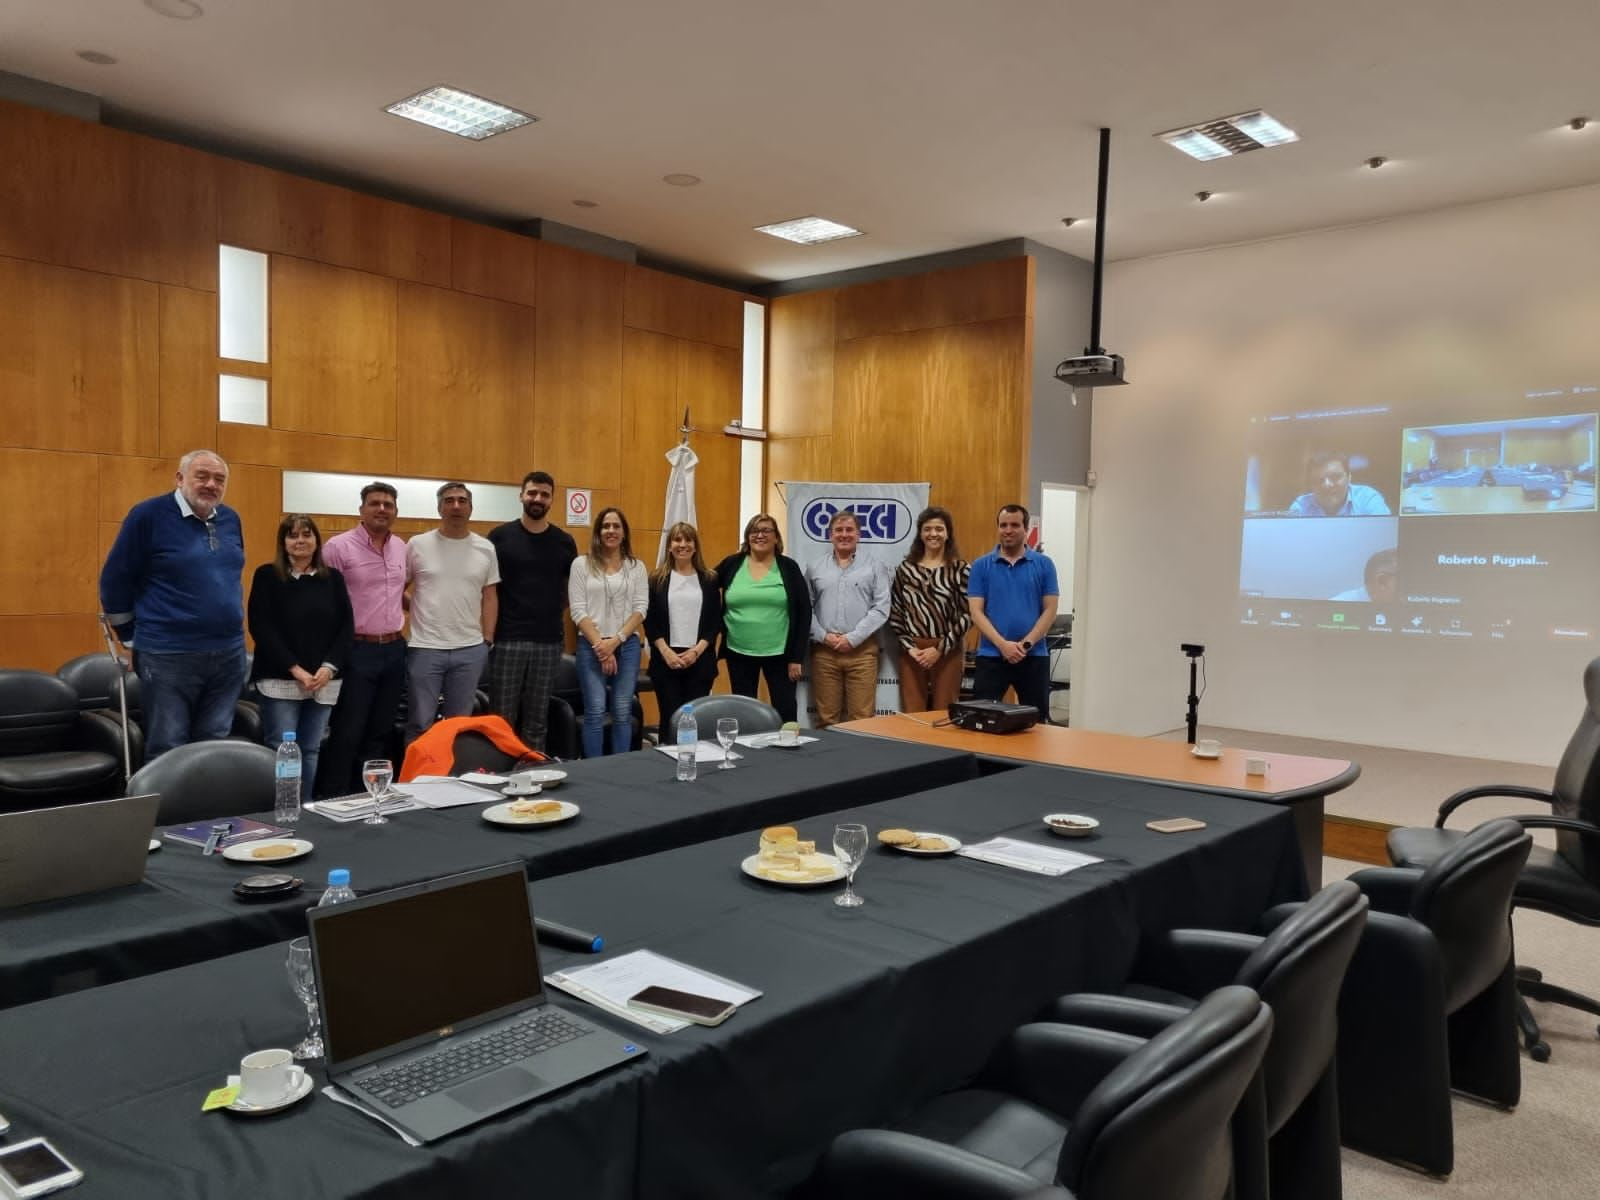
point(608, 594)
point(681, 625)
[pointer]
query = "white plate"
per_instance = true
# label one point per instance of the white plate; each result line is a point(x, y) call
point(245, 851)
point(301, 1089)
point(546, 777)
point(1089, 824)
point(752, 867)
point(508, 790)
point(1198, 753)
point(501, 814)
point(155, 844)
point(952, 845)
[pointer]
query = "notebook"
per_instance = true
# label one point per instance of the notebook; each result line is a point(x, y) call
point(71, 849)
point(433, 1007)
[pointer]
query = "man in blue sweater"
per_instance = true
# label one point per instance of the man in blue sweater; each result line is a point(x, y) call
point(171, 585)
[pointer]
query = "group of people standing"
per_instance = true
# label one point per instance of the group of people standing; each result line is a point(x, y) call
point(328, 620)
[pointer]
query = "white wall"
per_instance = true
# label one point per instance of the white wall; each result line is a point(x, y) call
point(1495, 297)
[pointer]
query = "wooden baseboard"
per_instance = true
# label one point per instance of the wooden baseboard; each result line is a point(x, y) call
point(1356, 840)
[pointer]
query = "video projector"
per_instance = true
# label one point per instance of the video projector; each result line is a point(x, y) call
point(1091, 371)
point(991, 716)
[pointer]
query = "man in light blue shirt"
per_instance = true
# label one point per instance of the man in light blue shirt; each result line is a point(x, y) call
point(1333, 495)
point(849, 604)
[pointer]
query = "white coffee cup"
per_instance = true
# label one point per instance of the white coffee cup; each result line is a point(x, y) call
point(522, 781)
point(1208, 748)
point(1256, 766)
point(266, 1076)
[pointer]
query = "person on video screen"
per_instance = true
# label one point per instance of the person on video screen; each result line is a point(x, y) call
point(1333, 495)
point(1379, 580)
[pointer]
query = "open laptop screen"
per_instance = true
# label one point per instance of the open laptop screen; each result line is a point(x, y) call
point(404, 967)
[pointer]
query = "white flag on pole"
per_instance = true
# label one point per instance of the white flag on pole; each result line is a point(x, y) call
point(680, 492)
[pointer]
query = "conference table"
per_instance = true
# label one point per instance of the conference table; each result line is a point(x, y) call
point(864, 1011)
point(185, 911)
point(1298, 782)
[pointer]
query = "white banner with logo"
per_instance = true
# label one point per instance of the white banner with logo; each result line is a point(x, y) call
point(887, 514)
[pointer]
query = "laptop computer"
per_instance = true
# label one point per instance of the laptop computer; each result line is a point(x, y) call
point(433, 1005)
point(72, 849)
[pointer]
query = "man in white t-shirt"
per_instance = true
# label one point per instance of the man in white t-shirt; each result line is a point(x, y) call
point(454, 606)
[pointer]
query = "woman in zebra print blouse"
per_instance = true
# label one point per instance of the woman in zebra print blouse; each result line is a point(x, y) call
point(928, 614)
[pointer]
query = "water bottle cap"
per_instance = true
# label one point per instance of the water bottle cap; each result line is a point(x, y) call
point(288, 735)
point(339, 877)
point(686, 710)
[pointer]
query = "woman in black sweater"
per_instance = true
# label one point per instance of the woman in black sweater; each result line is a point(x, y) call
point(766, 615)
point(681, 626)
point(300, 619)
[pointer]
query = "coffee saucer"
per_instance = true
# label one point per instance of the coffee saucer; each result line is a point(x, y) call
point(298, 1091)
point(1199, 753)
point(518, 793)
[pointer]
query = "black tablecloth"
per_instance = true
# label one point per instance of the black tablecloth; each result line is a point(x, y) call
point(185, 911)
point(864, 1011)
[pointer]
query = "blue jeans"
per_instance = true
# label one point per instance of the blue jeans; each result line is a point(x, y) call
point(308, 719)
point(432, 674)
point(188, 696)
point(602, 691)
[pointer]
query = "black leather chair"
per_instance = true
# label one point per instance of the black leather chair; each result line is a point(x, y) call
point(226, 778)
point(1565, 881)
point(94, 678)
point(1142, 1119)
point(566, 688)
point(754, 716)
point(50, 749)
point(561, 731)
point(1296, 969)
point(1429, 1002)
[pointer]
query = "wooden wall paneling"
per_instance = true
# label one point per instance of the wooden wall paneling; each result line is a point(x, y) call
point(494, 262)
point(800, 350)
point(256, 494)
point(578, 415)
point(651, 413)
point(78, 360)
point(880, 407)
point(711, 382)
point(188, 371)
point(47, 550)
point(81, 195)
point(791, 460)
point(332, 350)
point(464, 387)
point(259, 445)
point(683, 308)
point(267, 210)
point(43, 641)
point(122, 481)
point(954, 296)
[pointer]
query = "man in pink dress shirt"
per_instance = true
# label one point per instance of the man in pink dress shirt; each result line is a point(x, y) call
point(373, 562)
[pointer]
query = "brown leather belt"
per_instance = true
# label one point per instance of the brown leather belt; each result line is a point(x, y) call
point(379, 639)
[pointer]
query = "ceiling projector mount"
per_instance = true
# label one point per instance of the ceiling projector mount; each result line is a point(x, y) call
point(1095, 368)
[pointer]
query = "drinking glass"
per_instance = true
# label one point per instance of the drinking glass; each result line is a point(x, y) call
point(727, 731)
point(376, 774)
point(304, 979)
point(850, 844)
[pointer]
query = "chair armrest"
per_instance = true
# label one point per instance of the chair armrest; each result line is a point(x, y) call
point(882, 1164)
point(1565, 824)
point(1193, 962)
point(1388, 889)
point(1116, 1014)
point(1514, 790)
point(1056, 1066)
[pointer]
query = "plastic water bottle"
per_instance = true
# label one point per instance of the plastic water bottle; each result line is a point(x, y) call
point(286, 769)
point(688, 740)
point(338, 888)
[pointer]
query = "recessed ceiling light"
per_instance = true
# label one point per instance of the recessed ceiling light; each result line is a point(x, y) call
point(97, 58)
point(460, 113)
point(587, 203)
point(1376, 161)
point(681, 179)
point(1577, 124)
point(1069, 222)
point(178, 10)
point(1225, 136)
point(1202, 196)
point(808, 231)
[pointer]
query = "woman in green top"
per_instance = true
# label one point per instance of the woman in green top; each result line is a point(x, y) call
point(766, 613)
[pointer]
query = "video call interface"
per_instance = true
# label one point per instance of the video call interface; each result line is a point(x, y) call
point(1474, 522)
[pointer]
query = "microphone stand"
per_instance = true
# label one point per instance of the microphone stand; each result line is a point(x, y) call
point(122, 697)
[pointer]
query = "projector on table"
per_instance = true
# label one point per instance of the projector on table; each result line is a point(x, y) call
point(991, 716)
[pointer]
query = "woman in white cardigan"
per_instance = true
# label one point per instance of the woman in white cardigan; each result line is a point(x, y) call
point(608, 591)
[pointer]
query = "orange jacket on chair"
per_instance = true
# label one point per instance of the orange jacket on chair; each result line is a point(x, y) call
point(433, 753)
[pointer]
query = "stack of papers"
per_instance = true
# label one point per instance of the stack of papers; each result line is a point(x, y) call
point(1028, 856)
point(345, 809)
point(609, 984)
point(445, 791)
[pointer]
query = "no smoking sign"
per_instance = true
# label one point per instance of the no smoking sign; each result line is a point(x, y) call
point(580, 506)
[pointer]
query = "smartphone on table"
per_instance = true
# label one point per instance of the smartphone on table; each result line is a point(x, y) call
point(34, 1168)
point(686, 1006)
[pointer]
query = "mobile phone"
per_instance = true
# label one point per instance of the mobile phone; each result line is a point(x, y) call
point(702, 1010)
point(34, 1168)
point(1175, 825)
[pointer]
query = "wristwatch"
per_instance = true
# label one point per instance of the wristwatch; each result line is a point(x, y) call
point(1026, 645)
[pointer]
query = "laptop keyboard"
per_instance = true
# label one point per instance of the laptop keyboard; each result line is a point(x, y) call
point(464, 1059)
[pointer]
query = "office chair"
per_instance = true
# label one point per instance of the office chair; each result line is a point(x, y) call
point(567, 688)
point(225, 778)
point(1296, 970)
point(1565, 881)
point(1429, 1001)
point(50, 749)
point(754, 715)
point(1105, 1116)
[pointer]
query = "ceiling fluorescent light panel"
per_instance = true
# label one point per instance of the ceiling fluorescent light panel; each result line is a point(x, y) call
point(809, 231)
point(1226, 136)
point(460, 113)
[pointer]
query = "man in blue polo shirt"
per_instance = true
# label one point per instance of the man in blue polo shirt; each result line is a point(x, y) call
point(171, 584)
point(1013, 595)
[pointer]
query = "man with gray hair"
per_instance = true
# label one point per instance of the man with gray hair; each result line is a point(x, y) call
point(171, 590)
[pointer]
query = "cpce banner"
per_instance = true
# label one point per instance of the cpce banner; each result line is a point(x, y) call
point(887, 514)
